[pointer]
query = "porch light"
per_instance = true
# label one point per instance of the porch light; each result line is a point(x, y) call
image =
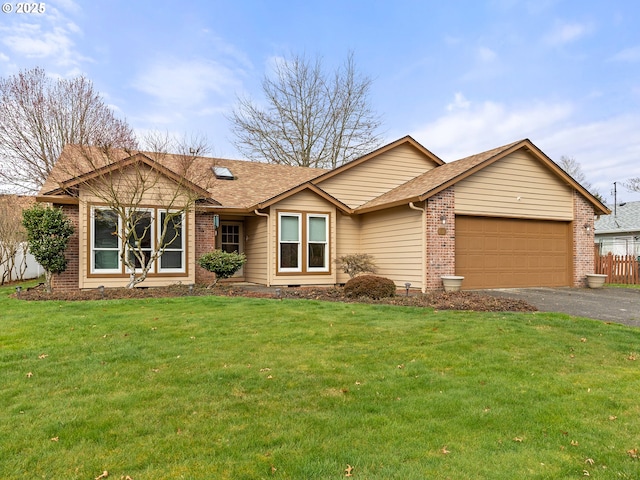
point(406, 286)
point(443, 219)
point(216, 221)
point(587, 227)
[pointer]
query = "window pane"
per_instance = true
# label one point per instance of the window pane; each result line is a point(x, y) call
point(289, 229)
point(105, 229)
point(171, 259)
point(104, 260)
point(172, 237)
point(136, 260)
point(317, 229)
point(141, 225)
point(317, 255)
point(289, 255)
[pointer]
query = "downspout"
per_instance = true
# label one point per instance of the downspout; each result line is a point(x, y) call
point(269, 249)
point(423, 232)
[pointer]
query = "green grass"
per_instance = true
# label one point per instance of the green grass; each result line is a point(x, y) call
point(622, 285)
point(232, 388)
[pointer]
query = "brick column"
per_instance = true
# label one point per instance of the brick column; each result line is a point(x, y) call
point(441, 249)
point(69, 279)
point(583, 240)
point(205, 242)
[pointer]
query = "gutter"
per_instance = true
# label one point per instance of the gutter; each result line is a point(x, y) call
point(423, 233)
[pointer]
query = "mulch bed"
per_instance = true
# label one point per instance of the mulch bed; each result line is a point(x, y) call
point(436, 300)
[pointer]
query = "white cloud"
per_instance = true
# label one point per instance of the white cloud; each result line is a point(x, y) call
point(469, 128)
point(608, 150)
point(631, 54)
point(459, 103)
point(486, 55)
point(47, 37)
point(185, 83)
point(564, 33)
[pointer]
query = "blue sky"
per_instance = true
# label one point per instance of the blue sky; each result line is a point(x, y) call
point(459, 76)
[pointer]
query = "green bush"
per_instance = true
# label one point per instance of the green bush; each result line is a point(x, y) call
point(370, 286)
point(48, 233)
point(354, 264)
point(223, 264)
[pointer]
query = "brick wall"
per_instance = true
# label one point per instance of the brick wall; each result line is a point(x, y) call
point(205, 242)
point(69, 279)
point(583, 240)
point(441, 249)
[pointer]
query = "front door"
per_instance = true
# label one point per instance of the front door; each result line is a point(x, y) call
point(231, 240)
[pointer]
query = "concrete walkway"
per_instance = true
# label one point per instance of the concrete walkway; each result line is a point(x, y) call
point(618, 305)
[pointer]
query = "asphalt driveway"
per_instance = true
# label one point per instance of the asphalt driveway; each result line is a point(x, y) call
point(618, 305)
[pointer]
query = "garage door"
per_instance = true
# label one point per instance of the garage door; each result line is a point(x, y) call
point(506, 252)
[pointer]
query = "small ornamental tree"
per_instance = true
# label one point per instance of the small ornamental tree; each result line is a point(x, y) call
point(354, 264)
point(48, 232)
point(223, 264)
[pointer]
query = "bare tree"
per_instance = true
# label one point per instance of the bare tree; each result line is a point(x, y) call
point(124, 181)
point(310, 119)
point(633, 184)
point(573, 168)
point(40, 115)
point(13, 239)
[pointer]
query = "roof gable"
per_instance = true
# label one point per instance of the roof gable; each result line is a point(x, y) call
point(442, 177)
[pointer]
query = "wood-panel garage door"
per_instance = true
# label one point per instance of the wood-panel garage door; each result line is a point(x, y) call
point(506, 252)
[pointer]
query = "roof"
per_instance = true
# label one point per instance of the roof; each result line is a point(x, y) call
point(253, 182)
point(433, 181)
point(625, 220)
point(440, 178)
point(257, 185)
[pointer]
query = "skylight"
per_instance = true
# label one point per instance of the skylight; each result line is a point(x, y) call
point(222, 173)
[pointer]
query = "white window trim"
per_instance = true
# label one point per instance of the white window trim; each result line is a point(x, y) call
point(152, 232)
point(280, 242)
point(325, 267)
point(94, 249)
point(182, 249)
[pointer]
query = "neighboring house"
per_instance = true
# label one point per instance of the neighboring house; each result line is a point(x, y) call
point(619, 232)
point(508, 217)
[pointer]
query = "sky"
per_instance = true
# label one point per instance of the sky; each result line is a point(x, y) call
point(460, 77)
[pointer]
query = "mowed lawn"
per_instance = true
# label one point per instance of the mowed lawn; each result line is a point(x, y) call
point(235, 388)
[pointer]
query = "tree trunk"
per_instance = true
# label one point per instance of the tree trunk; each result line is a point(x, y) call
point(47, 281)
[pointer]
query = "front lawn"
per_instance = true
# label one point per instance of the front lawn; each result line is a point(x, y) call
point(241, 388)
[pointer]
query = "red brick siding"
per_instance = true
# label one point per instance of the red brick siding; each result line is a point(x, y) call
point(583, 240)
point(69, 279)
point(205, 242)
point(441, 251)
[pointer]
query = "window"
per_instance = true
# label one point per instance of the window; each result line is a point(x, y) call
point(303, 242)
point(105, 255)
point(230, 238)
point(172, 259)
point(289, 239)
point(140, 233)
point(317, 241)
point(140, 237)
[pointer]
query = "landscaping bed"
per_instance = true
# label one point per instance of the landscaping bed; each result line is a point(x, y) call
point(437, 300)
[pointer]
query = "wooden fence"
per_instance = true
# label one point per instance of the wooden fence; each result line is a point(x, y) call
point(618, 268)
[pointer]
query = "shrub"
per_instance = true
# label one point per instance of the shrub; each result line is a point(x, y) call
point(354, 264)
point(370, 286)
point(223, 264)
point(48, 233)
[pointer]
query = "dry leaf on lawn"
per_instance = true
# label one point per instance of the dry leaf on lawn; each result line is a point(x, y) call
point(348, 471)
point(104, 474)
